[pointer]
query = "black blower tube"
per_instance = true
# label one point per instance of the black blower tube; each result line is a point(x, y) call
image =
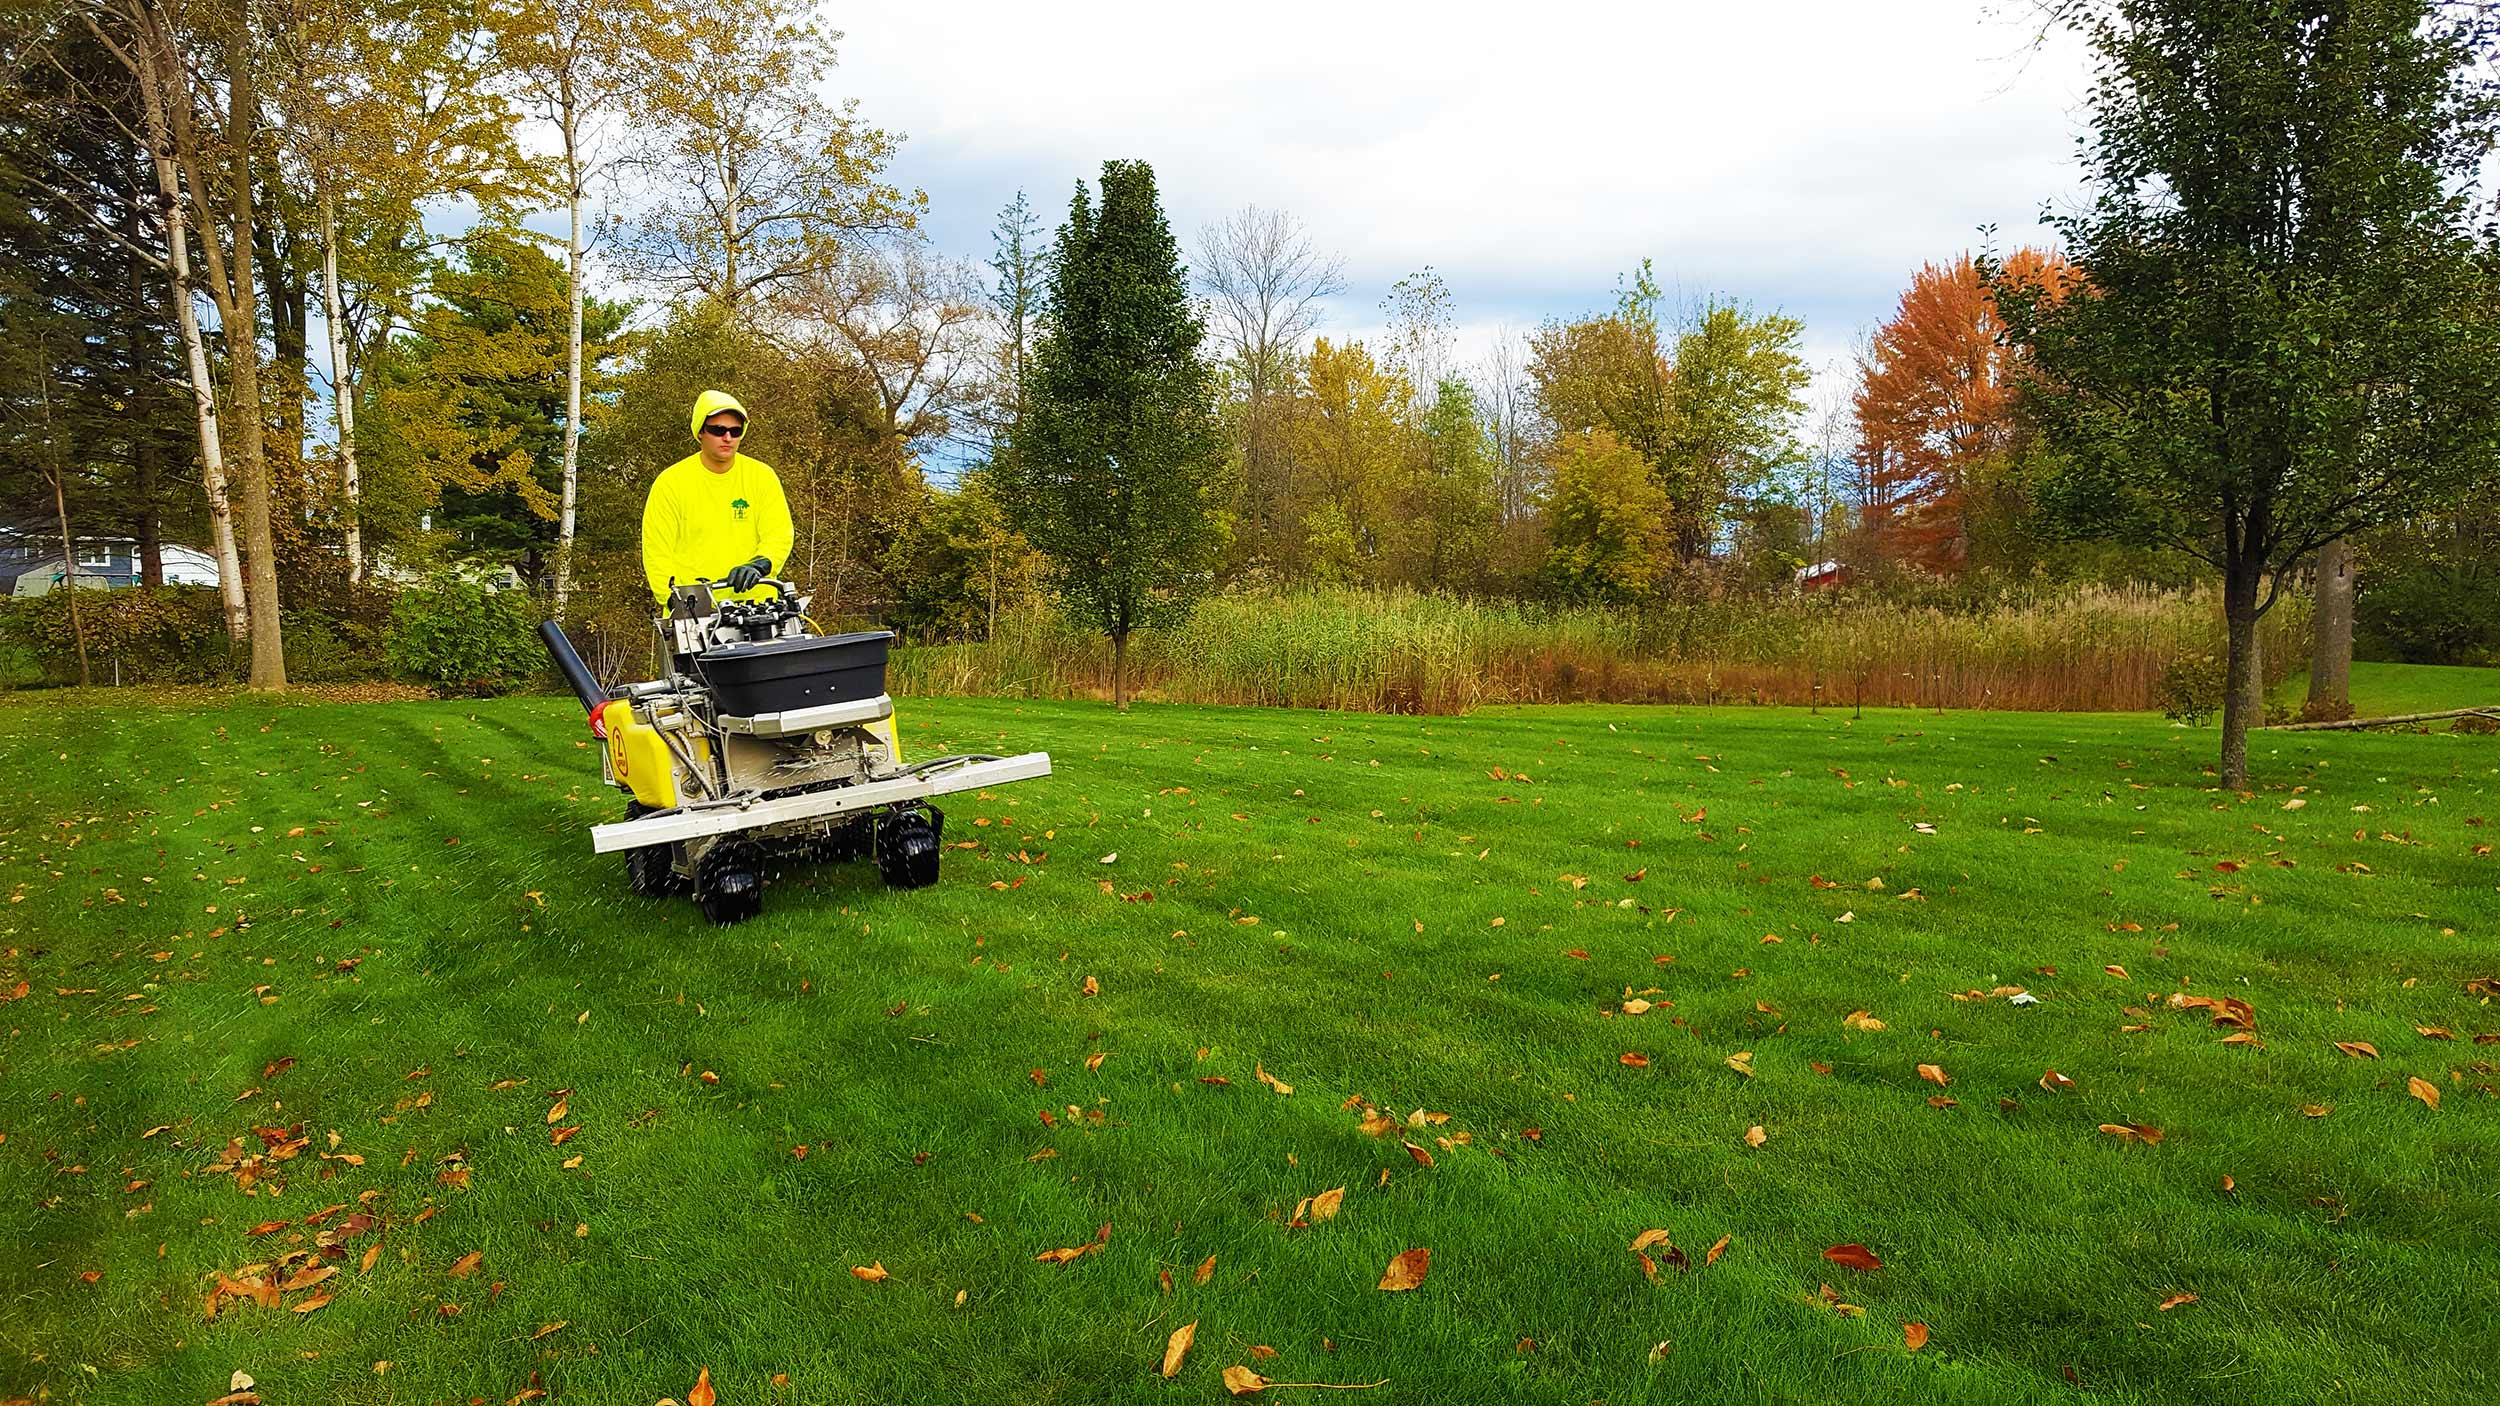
point(570, 665)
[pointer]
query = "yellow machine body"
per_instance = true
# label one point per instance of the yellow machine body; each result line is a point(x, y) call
point(639, 759)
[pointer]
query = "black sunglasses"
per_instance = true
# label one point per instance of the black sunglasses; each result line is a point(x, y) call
point(726, 431)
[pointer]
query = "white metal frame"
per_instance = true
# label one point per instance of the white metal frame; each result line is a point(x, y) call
point(682, 824)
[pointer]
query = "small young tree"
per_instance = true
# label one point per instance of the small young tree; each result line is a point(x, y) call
point(2286, 330)
point(1118, 462)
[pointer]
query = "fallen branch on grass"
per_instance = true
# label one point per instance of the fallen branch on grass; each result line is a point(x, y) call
point(2491, 711)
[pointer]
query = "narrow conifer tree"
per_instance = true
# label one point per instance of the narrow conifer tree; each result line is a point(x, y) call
point(1118, 462)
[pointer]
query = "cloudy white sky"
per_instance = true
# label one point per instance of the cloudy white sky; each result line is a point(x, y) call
point(1805, 156)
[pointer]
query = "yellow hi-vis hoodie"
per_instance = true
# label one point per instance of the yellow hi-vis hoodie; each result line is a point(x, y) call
point(698, 524)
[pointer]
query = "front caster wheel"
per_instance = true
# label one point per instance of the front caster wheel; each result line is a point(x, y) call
point(651, 872)
point(729, 884)
point(907, 847)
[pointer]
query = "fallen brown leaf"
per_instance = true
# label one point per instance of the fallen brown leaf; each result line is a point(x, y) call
point(1717, 1248)
point(2358, 1049)
point(312, 1305)
point(1406, 1271)
point(1934, 1074)
point(874, 1272)
point(1853, 1255)
point(1755, 1136)
point(1205, 1271)
point(1646, 1239)
point(2423, 1089)
point(2132, 1132)
point(2173, 1302)
point(1914, 1334)
point(2055, 1082)
point(702, 1393)
point(1241, 1381)
point(466, 1265)
point(1271, 1080)
point(1633, 1059)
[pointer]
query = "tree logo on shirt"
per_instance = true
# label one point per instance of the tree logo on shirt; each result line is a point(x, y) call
point(738, 509)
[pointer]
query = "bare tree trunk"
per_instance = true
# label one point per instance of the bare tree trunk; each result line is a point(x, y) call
point(69, 544)
point(2256, 699)
point(2330, 655)
point(145, 459)
point(572, 360)
point(342, 391)
point(1119, 670)
point(69, 578)
point(2239, 604)
point(242, 331)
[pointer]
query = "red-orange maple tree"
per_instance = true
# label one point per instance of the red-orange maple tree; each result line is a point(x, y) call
point(1935, 401)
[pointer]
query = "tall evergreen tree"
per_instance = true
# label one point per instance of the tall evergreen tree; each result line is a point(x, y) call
point(1021, 258)
point(2289, 329)
point(1118, 463)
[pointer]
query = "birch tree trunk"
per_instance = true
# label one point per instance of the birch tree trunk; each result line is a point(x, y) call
point(343, 391)
point(572, 357)
point(159, 76)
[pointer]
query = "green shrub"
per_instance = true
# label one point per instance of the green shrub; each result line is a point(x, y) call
point(462, 638)
point(2192, 688)
point(147, 634)
point(2421, 614)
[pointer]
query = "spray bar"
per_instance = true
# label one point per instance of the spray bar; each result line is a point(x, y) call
point(677, 825)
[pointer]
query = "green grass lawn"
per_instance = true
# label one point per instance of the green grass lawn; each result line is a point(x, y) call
point(377, 931)
point(2383, 690)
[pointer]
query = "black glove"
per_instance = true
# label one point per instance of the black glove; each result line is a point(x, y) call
point(743, 577)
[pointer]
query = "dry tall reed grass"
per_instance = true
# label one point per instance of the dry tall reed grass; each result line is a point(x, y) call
point(2092, 650)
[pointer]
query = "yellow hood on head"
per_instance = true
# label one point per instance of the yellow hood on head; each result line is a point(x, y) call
point(711, 403)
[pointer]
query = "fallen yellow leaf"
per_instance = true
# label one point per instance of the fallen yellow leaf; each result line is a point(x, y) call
point(1177, 1347)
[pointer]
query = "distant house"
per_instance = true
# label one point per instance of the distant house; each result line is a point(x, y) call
point(31, 563)
point(1822, 576)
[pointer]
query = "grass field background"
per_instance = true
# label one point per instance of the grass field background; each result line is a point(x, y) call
point(379, 929)
point(2384, 690)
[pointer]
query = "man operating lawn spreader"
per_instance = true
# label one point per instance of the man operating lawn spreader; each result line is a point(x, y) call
point(763, 743)
point(715, 515)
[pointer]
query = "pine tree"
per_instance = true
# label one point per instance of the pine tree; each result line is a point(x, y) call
point(1118, 463)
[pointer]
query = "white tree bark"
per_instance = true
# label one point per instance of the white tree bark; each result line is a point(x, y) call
point(343, 395)
point(572, 355)
point(152, 65)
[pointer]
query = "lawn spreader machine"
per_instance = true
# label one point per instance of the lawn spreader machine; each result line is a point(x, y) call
point(764, 744)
